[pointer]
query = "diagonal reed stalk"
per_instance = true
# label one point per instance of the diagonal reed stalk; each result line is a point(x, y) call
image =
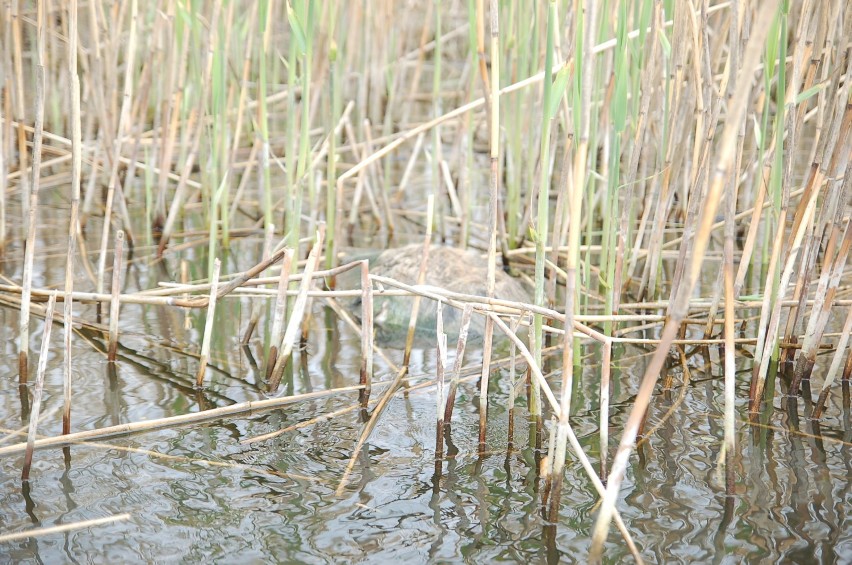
point(723, 163)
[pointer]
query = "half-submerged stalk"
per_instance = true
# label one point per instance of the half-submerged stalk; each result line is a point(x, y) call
point(585, 28)
point(494, 185)
point(542, 219)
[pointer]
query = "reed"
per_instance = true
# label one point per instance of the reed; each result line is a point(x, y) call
point(39, 389)
point(611, 134)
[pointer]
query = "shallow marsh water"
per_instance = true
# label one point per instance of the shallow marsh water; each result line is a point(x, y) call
point(197, 493)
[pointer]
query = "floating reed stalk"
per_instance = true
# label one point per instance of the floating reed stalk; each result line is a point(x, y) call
point(208, 324)
point(53, 530)
point(173, 421)
point(39, 388)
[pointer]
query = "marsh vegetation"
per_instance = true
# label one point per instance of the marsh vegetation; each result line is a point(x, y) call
point(620, 228)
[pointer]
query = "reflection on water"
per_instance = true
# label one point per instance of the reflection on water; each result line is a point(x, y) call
point(198, 492)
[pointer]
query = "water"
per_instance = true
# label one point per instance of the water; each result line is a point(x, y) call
point(197, 493)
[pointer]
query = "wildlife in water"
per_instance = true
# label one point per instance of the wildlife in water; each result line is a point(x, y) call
point(463, 271)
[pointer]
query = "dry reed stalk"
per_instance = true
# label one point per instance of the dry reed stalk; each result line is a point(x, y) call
point(208, 324)
point(366, 373)
point(836, 361)
point(535, 372)
point(409, 166)
point(729, 289)
point(545, 468)
point(362, 187)
point(31, 197)
point(457, 364)
point(173, 421)
point(123, 126)
point(440, 405)
point(279, 312)
point(115, 303)
point(768, 331)
point(577, 190)
point(74, 220)
point(724, 159)
point(289, 340)
point(493, 192)
point(254, 313)
point(368, 428)
point(382, 194)
point(821, 311)
point(513, 379)
point(39, 389)
point(39, 532)
point(421, 276)
point(603, 418)
point(184, 280)
point(20, 113)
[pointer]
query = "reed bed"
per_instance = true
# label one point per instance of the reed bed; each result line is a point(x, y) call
point(676, 170)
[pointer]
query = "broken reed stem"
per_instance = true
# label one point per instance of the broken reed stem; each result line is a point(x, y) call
point(280, 311)
point(174, 294)
point(366, 373)
point(39, 389)
point(513, 378)
point(115, 303)
point(293, 326)
point(208, 325)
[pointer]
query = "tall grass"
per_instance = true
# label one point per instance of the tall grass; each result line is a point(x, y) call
point(616, 132)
